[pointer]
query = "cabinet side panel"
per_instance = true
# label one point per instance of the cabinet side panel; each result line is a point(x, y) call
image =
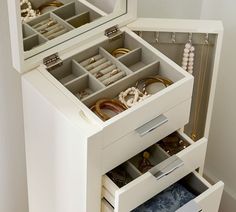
point(55, 154)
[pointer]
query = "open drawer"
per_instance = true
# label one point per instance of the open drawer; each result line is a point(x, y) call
point(199, 195)
point(166, 170)
point(155, 130)
point(86, 72)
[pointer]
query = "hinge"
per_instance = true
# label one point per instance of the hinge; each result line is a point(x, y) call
point(113, 33)
point(53, 61)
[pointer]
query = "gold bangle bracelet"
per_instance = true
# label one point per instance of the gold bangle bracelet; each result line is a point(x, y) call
point(120, 51)
point(164, 80)
point(50, 4)
point(153, 79)
point(111, 102)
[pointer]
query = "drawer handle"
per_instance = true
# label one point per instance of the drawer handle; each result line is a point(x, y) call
point(166, 167)
point(190, 206)
point(151, 125)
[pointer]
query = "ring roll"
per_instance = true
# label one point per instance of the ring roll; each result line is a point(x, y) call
point(107, 75)
point(100, 67)
point(114, 78)
point(105, 71)
point(57, 34)
point(97, 63)
point(87, 61)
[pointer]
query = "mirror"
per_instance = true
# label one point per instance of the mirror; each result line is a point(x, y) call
point(47, 23)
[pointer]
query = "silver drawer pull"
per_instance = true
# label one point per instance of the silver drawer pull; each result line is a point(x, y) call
point(166, 167)
point(191, 206)
point(151, 125)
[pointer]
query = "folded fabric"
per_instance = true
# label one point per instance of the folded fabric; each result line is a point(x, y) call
point(169, 200)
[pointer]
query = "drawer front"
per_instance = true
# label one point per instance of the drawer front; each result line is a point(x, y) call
point(157, 105)
point(106, 207)
point(148, 185)
point(128, 146)
point(208, 201)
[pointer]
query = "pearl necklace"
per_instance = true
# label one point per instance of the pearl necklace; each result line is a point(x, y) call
point(188, 58)
point(27, 12)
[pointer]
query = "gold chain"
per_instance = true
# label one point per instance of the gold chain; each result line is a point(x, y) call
point(200, 89)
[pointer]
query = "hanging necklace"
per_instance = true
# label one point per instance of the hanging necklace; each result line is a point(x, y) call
point(188, 56)
point(200, 86)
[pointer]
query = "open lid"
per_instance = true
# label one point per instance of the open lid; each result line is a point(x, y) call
point(40, 28)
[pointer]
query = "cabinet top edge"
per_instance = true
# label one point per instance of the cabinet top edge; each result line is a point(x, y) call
point(177, 25)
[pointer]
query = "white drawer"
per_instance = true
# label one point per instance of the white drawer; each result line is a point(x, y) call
point(208, 200)
point(133, 143)
point(167, 171)
point(106, 207)
point(144, 112)
point(150, 61)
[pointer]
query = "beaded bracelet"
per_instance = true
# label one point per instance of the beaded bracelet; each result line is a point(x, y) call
point(132, 96)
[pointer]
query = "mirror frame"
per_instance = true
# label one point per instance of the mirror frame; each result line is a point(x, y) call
point(18, 55)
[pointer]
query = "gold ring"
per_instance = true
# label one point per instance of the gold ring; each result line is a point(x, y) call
point(92, 60)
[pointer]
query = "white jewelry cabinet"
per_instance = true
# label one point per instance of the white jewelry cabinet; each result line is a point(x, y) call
point(69, 150)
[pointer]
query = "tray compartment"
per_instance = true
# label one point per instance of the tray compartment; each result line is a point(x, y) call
point(157, 155)
point(125, 41)
point(80, 20)
point(33, 41)
point(136, 59)
point(83, 87)
point(27, 31)
point(74, 11)
point(59, 27)
point(69, 72)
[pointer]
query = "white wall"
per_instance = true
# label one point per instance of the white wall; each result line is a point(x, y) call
point(170, 8)
point(221, 154)
point(13, 191)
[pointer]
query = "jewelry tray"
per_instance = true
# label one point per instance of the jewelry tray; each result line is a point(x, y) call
point(140, 62)
point(70, 16)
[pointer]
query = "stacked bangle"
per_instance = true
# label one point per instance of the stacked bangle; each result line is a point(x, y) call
point(145, 82)
point(110, 104)
point(120, 51)
point(53, 4)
